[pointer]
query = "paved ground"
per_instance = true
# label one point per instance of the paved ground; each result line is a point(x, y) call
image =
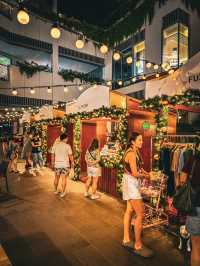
point(38, 228)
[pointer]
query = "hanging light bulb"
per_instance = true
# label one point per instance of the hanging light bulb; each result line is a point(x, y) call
point(148, 64)
point(80, 43)
point(116, 56)
point(104, 49)
point(119, 83)
point(49, 90)
point(109, 83)
point(129, 60)
point(13, 109)
point(134, 79)
point(157, 75)
point(156, 67)
point(23, 17)
point(14, 92)
point(66, 89)
point(55, 32)
point(32, 91)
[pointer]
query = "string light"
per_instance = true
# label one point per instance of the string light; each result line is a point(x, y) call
point(148, 64)
point(156, 67)
point(13, 109)
point(32, 91)
point(129, 60)
point(55, 32)
point(116, 56)
point(14, 92)
point(119, 83)
point(66, 89)
point(23, 17)
point(134, 79)
point(104, 49)
point(80, 43)
point(49, 90)
point(109, 83)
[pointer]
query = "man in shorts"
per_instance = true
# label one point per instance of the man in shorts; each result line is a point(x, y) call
point(61, 159)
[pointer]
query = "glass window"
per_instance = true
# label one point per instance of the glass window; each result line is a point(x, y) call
point(172, 37)
point(126, 68)
point(139, 56)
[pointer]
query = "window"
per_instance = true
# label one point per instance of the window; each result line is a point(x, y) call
point(139, 57)
point(183, 44)
point(126, 68)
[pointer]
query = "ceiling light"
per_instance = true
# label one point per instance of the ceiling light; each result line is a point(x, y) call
point(49, 90)
point(23, 17)
point(116, 56)
point(32, 91)
point(129, 60)
point(134, 79)
point(66, 89)
point(156, 67)
point(104, 49)
point(80, 43)
point(14, 92)
point(55, 32)
point(119, 83)
point(148, 64)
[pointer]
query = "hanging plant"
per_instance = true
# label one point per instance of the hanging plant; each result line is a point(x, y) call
point(70, 75)
point(30, 69)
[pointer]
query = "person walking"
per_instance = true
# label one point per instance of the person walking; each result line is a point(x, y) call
point(92, 158)
point(191, 170)
point(61, 159)
point(36, 153)
point(133, 173)
point(27, 149)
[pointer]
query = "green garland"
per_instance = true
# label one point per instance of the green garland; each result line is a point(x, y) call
point(30, 69)
point(70, 75)
point(161, 106)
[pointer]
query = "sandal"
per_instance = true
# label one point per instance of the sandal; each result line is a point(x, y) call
point(144, 252)
point(128, 245)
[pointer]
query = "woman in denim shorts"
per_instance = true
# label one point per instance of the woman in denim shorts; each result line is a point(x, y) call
point(193, 222)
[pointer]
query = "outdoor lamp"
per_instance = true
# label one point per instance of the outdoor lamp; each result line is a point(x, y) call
point(55, 32)
point(104, 49)
point(23, 17)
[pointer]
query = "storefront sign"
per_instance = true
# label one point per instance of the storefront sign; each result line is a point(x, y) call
point(194, 77)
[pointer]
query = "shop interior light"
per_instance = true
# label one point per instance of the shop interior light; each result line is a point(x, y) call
point(55, 32)
point(32, 91)
point(116, 56)
point(66, 89)
point(104, 49)
point(157, 75)
point(129, 60)
point(49, 90)
point(14, 92)
point(23, 17)
point(148, 64)
point(134, 79)
point(80, 43)
point(156, 67)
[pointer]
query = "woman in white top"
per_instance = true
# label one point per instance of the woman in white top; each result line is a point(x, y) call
point(92, 158)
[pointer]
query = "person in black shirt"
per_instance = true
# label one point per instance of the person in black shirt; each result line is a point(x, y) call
point(193, 222)
point(36, 151)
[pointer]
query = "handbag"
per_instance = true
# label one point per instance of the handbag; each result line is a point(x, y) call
point(186, 196)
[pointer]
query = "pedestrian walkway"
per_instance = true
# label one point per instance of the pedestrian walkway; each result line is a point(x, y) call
point(39, 228)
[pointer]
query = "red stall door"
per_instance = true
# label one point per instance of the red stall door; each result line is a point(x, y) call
point(88, 133)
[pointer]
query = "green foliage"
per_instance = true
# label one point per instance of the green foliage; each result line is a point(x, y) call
point(30, 69)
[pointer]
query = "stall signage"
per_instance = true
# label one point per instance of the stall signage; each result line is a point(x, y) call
point(194, 77)
point(146, 125)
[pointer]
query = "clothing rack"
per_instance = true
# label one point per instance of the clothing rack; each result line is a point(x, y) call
point(182, 138)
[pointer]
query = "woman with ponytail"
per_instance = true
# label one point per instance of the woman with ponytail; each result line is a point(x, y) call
point(133, 173)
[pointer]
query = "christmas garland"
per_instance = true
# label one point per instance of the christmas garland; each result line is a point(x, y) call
point(161, 106)
point(30, 69)
point(70, 75)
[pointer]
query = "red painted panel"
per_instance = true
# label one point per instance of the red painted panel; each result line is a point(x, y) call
point(88, 133)
point(107, 182)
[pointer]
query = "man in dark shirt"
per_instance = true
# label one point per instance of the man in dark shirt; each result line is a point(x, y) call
point(36, 153)
point(193, 222)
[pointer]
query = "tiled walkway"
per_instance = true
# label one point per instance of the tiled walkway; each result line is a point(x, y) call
point(38, 228)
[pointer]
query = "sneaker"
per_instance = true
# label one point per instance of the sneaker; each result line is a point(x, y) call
point(86, 194)
point(56, 192)
point(63, 194)
point(93, 197)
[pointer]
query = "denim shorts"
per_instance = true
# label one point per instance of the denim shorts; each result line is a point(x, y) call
point(193, 224)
